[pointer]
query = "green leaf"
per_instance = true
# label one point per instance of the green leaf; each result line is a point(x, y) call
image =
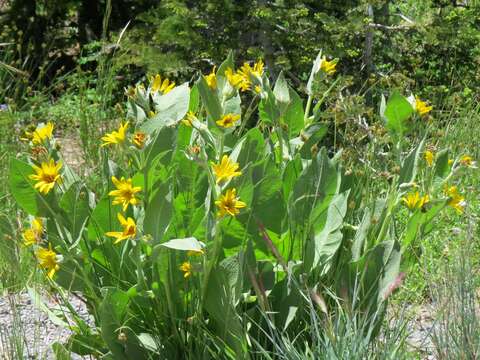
point(397, 112)
point(186, 244)
point(281, 92)
point(158, 214)
point(219, 302)
point(75, 204)
point(442, 168)
point(361, 235)
point(317, 183)
point(23, 191)
point(294, 114)
point(61, 353)
point(408, 171)
point(103, 219)
point(113, 312)
point(313, 134)
point(327, 239)
point(209, 100)
point(194, 103)
point(170, 108)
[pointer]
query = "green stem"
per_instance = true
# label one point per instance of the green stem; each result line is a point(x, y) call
point(307, 109)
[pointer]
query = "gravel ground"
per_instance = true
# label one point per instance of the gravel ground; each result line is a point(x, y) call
point(20, 319)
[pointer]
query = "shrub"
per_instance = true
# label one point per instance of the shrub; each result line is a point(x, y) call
point(202, 227)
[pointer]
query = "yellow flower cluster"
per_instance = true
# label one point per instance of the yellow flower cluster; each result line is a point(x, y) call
point(415, 201)
point(456, 200)
point(33, 235)
point(421, 107)
point(159, 86)
point(245, 76)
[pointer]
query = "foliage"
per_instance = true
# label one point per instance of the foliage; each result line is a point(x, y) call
point(194, 249)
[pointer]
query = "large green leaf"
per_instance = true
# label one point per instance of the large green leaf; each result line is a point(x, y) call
point(170, 108)
point(158, 214)
point(75, 204)
point(409, 168)
point(219, 302)
point(209, 100)
point(23, 191)
point(317, 183)
point(186, 244)
point(326, 240)
point(294, 115)
point(397, 112)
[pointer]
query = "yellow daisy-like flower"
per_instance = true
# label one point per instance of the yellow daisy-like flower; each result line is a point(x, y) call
point(211, 79)
point(429, 157)
point(43, 133)
point(47, 174)
point(47, 259)
point(457, 201)
point(226, 170)
point(187, 269)
point(328, 67)
point(129, 229)
point(139, 139)
point(158, 85)
point(468, 161)
point(228, 120)
point(125, 193)
point(421, 107)
point(116, 137)
point(235, 79)
point(229, 203)
point(414, 201)
point(247, 72)
point(33, 235)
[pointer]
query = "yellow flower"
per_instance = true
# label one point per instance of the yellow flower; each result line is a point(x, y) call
point(457, 201)
point(414, 201)
point(164, 86)
point(139, 139)
point(450, 162)
point(116, 137)
point(125, 193)
point(47, 174)
point(129, 229)
point(188, 120)
point(235, 79)
point(187, 269)
point(47, 259)
point(226, 170)
point(421, 106)
point(328, 67)
point(246, 73)
point(467, 161)
point(151, 114)
point(429, 157)
point(229, 203)
point(33, 235)
point(42, 133)
point(211, 79)
point(228, 120)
